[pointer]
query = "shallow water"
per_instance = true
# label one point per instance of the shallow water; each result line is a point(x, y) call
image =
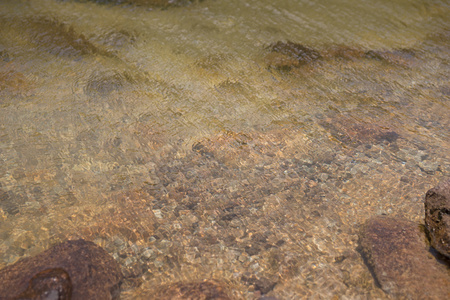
point(180, 141)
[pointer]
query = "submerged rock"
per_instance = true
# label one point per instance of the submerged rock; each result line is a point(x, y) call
point(206, 289)
point(437, 217)
point(352, 132)
point(397, 252)
point(83, 266)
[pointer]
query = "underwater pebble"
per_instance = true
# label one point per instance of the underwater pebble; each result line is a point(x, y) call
point(148, 254)
point(157, 213)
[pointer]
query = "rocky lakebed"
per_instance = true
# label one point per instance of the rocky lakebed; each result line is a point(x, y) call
point(224, 150)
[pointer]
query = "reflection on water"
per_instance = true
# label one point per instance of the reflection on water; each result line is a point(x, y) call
point(243, 141)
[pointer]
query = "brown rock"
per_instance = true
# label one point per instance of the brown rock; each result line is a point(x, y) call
point(206, 289)
point(397, 252)
point(437, 217)
point(94, 274)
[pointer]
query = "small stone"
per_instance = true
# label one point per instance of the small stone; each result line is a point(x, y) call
point(119, 243)
point(252, 250)
point(158, 263)
point(164, 245)
point(243, 258)
point(255, 266)
point(323, 176)
point(157, 213)
point(148, 253)
point(129, 261)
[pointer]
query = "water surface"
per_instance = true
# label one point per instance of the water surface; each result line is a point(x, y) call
point(182, 142)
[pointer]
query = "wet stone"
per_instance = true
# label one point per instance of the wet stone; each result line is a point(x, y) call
point(93, 273)
point(437, 217)
point(397, 252)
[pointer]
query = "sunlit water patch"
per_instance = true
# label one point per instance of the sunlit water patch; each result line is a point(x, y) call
point(243, 141)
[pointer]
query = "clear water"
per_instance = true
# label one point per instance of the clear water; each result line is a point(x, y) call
point(167, 137)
